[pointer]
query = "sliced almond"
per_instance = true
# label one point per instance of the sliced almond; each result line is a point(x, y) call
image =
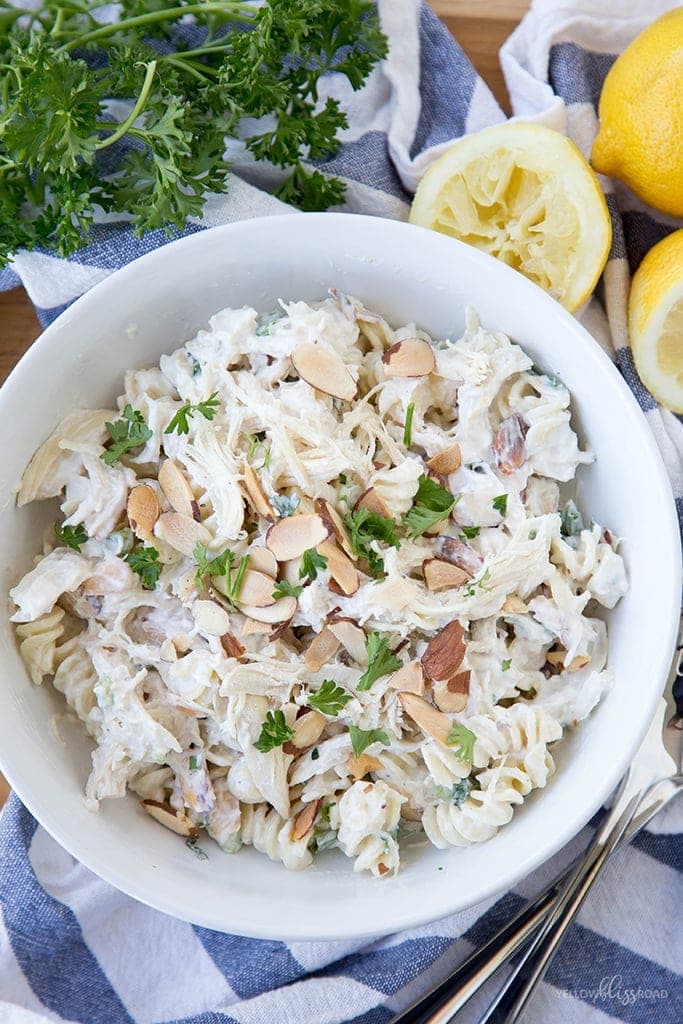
point(322, 647)
point(281, 611)
point(452, 694)
point(351, 637)
point(257, 589)
point(508, 444)
point(176, 821)
point(324, 370)
point(143, 510)
point(257, 496)
point(210, 617)
point(176, 487)
point(231, 645)
point(514, 605)
point(340, 567)
point(263, 560)
point(411, 357)
point(447, 461)
point(358, 767)
point(441, 575)
point(167, 651)
point(409, 678)
point(303, 823)
point(290, 537)
point(432, 722)
point(251, 627)
point(280, 630)
point(557, 658)
point(372, 501)
point(308, 729)
point(458, 553)
point(181, 532)
point(291, 571)
point(444, 653)
point(335, 524)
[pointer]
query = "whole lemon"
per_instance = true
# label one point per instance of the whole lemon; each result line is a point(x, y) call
point(640, 140)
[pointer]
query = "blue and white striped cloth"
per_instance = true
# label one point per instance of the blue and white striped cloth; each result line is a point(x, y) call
point(74, 949)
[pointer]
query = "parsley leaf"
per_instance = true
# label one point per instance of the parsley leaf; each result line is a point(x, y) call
point(72, 536)
point(408, 426)
point(329, 699)
point(256, 443)
point(221, 569)
point(571, 520)
point(470, 532)
point(506, 664)
point(195, 763)
point(145, 562)
point(179, 423)
point(501, 504)
point(463, 740)
point(431, 504)
point(479, 583)
point(283, 588)
point(381, 661)
point(130, 431)
point(274, 732)
point(362, 738)
point(311, 561)
point(364, 527)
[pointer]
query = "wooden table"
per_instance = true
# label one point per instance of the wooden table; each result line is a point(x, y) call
point(480, 26)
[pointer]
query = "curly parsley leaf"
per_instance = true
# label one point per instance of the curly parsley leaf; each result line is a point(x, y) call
point(130, 431)
point(362, 738)
point(179, 423)
point(479, 584)
point(431, 504)
point(365, 527)
point(221, 568)
point(311, 562)
point(501, 504)
point(71, 536)
point(329, 699)
point(463, 740)
point(507, 662)
point(381, 661)
point(145, 562)
point(470, 532)
point(283, 588)
point(274, 732)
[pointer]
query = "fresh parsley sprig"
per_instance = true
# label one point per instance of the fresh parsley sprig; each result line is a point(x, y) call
point(274, 732)
point(381, 661)
point(311, 562)
point(283, 588)
point(130, 431)
point(362, 738)
point(221, 567)
point(71, 536)
point(329, 699)
point(145, 562)
point(365, 527)
point(179, 423)
point(500, 504)
point(431, 504)
point(463, 740)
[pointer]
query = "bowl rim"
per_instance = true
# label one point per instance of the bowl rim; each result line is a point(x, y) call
point(547, 846)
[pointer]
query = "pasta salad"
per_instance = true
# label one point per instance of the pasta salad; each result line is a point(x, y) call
point(315, 585)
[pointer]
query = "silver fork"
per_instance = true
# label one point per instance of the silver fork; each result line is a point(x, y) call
point(549, 916)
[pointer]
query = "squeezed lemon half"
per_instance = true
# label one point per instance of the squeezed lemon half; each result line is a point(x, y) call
point(525, 194)
point(655, 312)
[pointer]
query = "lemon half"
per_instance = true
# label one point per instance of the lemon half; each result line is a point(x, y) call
point(525, 194)
point(655, 313)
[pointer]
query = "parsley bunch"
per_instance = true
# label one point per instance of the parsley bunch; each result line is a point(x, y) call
point(65, 149)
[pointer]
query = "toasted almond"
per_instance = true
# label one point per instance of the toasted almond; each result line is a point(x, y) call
point(263, 560)
point(210, 617)
point(322, 647)
point(143, 510)
point(351, 637)
point(335, 524)
point(231, 645)
point(257, 589)
point(290, 571)
point(257, 496)
point(340, 567)
point(251, 626)
point(409, 678)
point(452, 694)
point(442, 575)
point(358, 767)
point(290, 537)
point(383, 868)
point(324, 370)
point(167, 651)
point(514, 605)
point(181, 532)
point(281, 611)
point(508, 444)
point(303, 823)
point(447, 461)
point(557, 658)
point(176, 821)
point(372, 501)
point(458, 553)
point(280, 629)
point(432, 722)
point(176, 487)
point(308, 729)
point(411, 357)
point(444, 653)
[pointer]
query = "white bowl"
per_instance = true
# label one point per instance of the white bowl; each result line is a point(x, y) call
point(407, 273)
